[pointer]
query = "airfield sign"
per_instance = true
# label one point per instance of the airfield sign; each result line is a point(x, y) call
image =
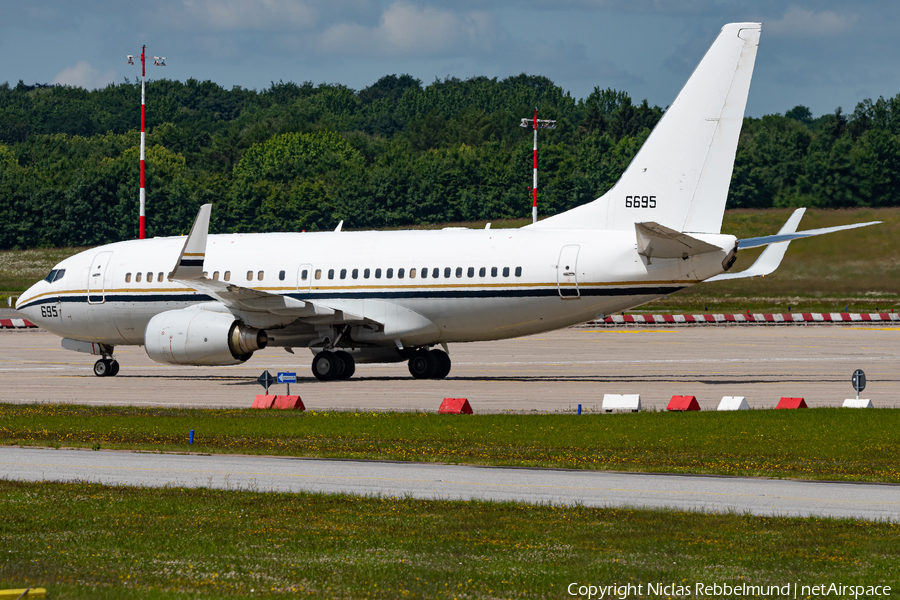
point(859, 381)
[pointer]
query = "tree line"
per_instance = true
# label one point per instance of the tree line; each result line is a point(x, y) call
point(303, 156)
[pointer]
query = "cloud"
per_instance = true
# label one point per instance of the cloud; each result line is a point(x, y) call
point(83, 75)
point(407, 30)
point(242, 15)
point(806, 23)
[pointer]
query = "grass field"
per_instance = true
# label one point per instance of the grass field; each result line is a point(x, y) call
point(821, 443)
point(858, 270)
point(96, 542)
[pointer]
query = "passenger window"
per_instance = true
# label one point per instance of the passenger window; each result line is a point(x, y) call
point(227, 276)
point(127, 277)
point(446, 272)
point(518, 271)
point(137, 277)
point(150, 277)
point(412, 273)
point(424, 273)
point(159, 277)
point(506, 271)
point(215, 275)
point(318, 274)
point(437, 273)
point(366, 274)
point(280, 275)
point(259, 275)
point(304, 274)
point(343, 273)
point(330, 273)
point(249, 275)
point(400, 273)
point(354, 274)
point(482, 272)
point(390, 273)
point(471, 272)
point(377, 273)
point(493, 271)
point(458, 272)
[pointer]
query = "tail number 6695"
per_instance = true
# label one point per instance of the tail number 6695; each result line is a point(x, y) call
point(640, 201)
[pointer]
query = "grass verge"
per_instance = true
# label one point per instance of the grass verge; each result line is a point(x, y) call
point(92, 541)
point(822, 443)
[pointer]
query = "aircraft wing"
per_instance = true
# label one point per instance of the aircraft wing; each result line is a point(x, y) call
point(772, 256)
point(189, 271)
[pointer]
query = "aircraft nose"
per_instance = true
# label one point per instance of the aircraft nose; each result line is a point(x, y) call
point(22, 303)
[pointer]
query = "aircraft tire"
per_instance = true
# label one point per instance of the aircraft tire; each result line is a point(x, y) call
point(349, 364)
point(423, 365)
point(113, 368)
point(444, 364)
point(325, 366)
point(102, 367)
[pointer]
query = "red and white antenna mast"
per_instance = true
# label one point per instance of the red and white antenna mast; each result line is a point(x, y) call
point(159, 61)
point(537, 124)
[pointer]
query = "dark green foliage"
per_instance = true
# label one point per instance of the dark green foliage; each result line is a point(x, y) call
point(304, 156)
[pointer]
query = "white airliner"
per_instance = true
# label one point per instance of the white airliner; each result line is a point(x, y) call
point(399, 295)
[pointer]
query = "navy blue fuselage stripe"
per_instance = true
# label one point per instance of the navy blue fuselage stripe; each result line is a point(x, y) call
point(434, 294)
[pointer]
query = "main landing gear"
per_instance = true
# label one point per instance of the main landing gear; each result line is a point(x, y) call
point(429, 364)
point(331, 366)
point(106, 367)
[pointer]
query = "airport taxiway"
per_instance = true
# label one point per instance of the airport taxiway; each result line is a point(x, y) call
point(457, 482)
point(550, 372)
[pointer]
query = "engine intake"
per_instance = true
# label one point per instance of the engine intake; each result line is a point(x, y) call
point(193, 336)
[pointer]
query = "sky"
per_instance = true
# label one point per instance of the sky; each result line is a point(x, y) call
point(823, 54)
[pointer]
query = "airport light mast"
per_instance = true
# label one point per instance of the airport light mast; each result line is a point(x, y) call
point(159, 61)
point(537, 124)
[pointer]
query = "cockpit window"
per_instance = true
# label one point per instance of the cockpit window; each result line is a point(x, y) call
point(55, 275)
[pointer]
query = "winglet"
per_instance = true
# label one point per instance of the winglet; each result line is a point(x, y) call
point(190, 261)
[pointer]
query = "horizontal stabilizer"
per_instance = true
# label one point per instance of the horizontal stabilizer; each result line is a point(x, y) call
point(658, 241)
point(787, 237)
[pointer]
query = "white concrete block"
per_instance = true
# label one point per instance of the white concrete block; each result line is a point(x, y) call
point(613, 402)
point(733, 403)
point(854, 403)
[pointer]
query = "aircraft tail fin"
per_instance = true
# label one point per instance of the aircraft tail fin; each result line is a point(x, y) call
point(681, 174)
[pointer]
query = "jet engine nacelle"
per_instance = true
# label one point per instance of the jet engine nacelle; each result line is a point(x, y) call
point(194, 336)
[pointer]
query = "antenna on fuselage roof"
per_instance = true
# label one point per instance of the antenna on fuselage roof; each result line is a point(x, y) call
point(338, 228)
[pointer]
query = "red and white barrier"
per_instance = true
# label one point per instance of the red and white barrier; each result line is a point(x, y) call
point(16, 324)
point(757, 319)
